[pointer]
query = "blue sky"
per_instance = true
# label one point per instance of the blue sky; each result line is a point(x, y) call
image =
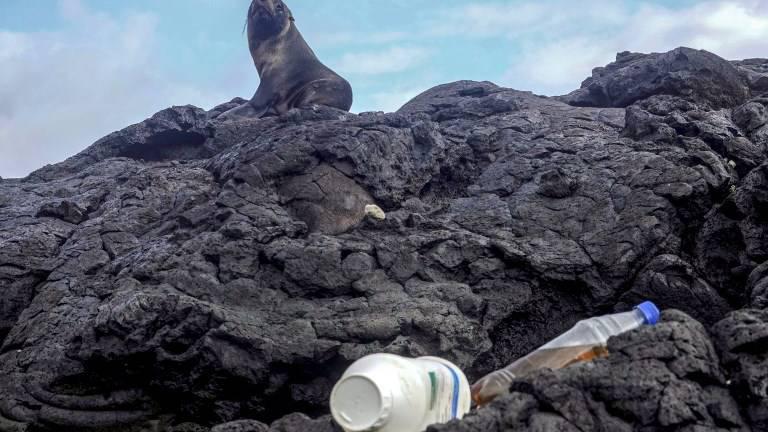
point(74, 70)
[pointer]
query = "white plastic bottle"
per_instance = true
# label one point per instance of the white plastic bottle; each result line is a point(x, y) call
point(390, 393)
point(584, 341)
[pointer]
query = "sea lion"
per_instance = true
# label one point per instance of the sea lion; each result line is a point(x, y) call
point(291, 75)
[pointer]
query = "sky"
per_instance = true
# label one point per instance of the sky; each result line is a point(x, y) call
point(72, 71)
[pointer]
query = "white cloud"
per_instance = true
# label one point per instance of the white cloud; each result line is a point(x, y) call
point(394, 59)
point(11, 45)
point(324, 38)
point(554, 45)
point(559, 42)
point(731, 29)
point(390, 100)
point(556, 65)
point(512, 19)
point(61, 91)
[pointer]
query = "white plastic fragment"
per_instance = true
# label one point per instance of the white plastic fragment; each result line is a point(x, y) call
point(374, 211)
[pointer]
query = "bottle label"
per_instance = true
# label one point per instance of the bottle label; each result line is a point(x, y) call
point(444, 393)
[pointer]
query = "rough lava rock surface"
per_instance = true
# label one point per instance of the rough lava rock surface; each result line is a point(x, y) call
point(187, 274)
point(697, 76)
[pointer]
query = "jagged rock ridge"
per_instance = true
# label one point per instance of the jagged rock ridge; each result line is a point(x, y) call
point(186, 273)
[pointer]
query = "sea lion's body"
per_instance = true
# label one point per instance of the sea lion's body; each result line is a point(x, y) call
point(291, 75)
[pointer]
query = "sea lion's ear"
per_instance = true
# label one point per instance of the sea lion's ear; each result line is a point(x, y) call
point(290, 13)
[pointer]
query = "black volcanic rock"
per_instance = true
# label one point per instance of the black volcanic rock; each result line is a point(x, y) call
point(666, 377)
point(742, 339)
point(755, 71)
point(241, 426)
point(64, 210)
point(176, 133)
point(185, 274)
point(695, 75)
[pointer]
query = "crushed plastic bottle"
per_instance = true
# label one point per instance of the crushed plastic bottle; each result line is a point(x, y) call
point(390, 393)
point(584, 341)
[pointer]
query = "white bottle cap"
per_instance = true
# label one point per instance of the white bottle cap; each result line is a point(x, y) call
point(359, 404)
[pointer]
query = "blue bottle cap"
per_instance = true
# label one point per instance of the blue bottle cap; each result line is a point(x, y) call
point(650, 312)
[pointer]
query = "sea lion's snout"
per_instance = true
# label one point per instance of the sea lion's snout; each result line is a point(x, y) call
point(267, 18)
point(267, 8)
point(258, 8)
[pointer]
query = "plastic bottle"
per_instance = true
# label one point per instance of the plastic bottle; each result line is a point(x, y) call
point(390, 393)
point(584, 341)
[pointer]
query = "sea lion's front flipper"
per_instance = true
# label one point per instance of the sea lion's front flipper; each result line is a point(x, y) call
point(243, 112)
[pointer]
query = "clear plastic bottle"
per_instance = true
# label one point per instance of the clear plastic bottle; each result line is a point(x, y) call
point(584, 341)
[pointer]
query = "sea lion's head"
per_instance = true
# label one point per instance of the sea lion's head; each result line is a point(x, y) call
point(267, 18)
